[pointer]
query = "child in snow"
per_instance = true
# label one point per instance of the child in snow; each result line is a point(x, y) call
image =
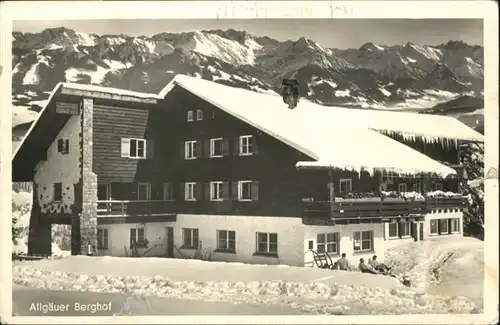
point(365, 268)
point(375, 264)
point(343, 263)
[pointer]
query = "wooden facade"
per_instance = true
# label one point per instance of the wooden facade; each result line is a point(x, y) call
point(279, 189)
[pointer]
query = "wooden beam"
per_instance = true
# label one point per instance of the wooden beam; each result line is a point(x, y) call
point(104, 95)
point(331, 188)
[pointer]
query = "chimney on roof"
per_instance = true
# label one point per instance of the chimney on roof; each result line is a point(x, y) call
point(290, 92)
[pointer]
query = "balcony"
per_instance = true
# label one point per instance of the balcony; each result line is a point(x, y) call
point(376, 208)
point(446, 203)
point(368, 208)
point(113, 208)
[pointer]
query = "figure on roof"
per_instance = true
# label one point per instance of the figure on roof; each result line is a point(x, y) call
point(290, 92)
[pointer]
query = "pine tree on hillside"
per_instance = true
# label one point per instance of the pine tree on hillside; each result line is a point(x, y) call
point(473, 161)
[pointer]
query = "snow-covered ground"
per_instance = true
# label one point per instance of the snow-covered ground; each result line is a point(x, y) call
point(342, 292)
point(446, 265)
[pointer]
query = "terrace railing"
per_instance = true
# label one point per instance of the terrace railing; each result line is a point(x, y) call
point(134, 208)
point(377, 208)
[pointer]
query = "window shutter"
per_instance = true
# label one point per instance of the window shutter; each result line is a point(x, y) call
point(182, 150)
point(66, 145)
point(105, 235)
point(59, 145)
point(182, 191)
point(198, 191)
point(150, 149)
point(236, 146)
point(199, 149)
point(207, 191)
point(140, 233)
point(132, 236)
point(255, 190)
point(225, 147)
point(255, 147)
point(206, 148)
point(125, 147)
point(225, 190)
point(234, 190)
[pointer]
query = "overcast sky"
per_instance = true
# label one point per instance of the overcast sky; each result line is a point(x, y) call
point(339, 33)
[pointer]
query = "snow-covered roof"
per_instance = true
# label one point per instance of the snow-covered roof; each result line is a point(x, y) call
point(429, 127)
point(333, 142)
point(107, 90)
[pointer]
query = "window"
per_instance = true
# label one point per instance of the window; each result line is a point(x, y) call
point(434, 227)
point(102, 238)
point(226, 240)
point(143, 191)
point(402, 187)
point(190, 237)
point(63, 146)
point(168, 192)
point(438, 186)
point(404, 229)
point(455, 225)
point(137, 148)
point(190, 149)
point(393, 230)
point(189, 189)
point(216, 191)
point(345, 186)
point(248, 190)
point(443, 225)
point(199, 115)
point(136, 235)
point(363, 241)
point(328, 243)
point(416, 187)
point(190, 116)
point(216, 147)
point(246, 145)
point(57, 192)
point(267, 243)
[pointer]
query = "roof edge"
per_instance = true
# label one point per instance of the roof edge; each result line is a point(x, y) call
point(34, 123)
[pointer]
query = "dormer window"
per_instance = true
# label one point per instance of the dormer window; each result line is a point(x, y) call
point(63, 146)
point(199, 115)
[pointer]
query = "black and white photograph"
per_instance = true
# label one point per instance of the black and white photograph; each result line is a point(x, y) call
point(222, 166)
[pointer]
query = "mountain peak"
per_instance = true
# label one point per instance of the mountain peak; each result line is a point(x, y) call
point(371, 47)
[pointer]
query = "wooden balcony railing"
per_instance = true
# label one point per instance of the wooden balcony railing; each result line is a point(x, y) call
point(134, 208)
point(377, 208)
point(446, 202)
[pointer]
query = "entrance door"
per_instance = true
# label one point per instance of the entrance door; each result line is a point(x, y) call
point(170, 241)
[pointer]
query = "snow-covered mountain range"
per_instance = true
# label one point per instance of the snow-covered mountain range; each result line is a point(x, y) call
point(406, 76)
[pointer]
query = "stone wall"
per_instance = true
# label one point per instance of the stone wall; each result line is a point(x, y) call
point(88, 215)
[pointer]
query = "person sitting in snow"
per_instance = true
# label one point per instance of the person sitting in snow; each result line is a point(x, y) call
point(365, 268)
point(379, 266)
point(343, 263)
